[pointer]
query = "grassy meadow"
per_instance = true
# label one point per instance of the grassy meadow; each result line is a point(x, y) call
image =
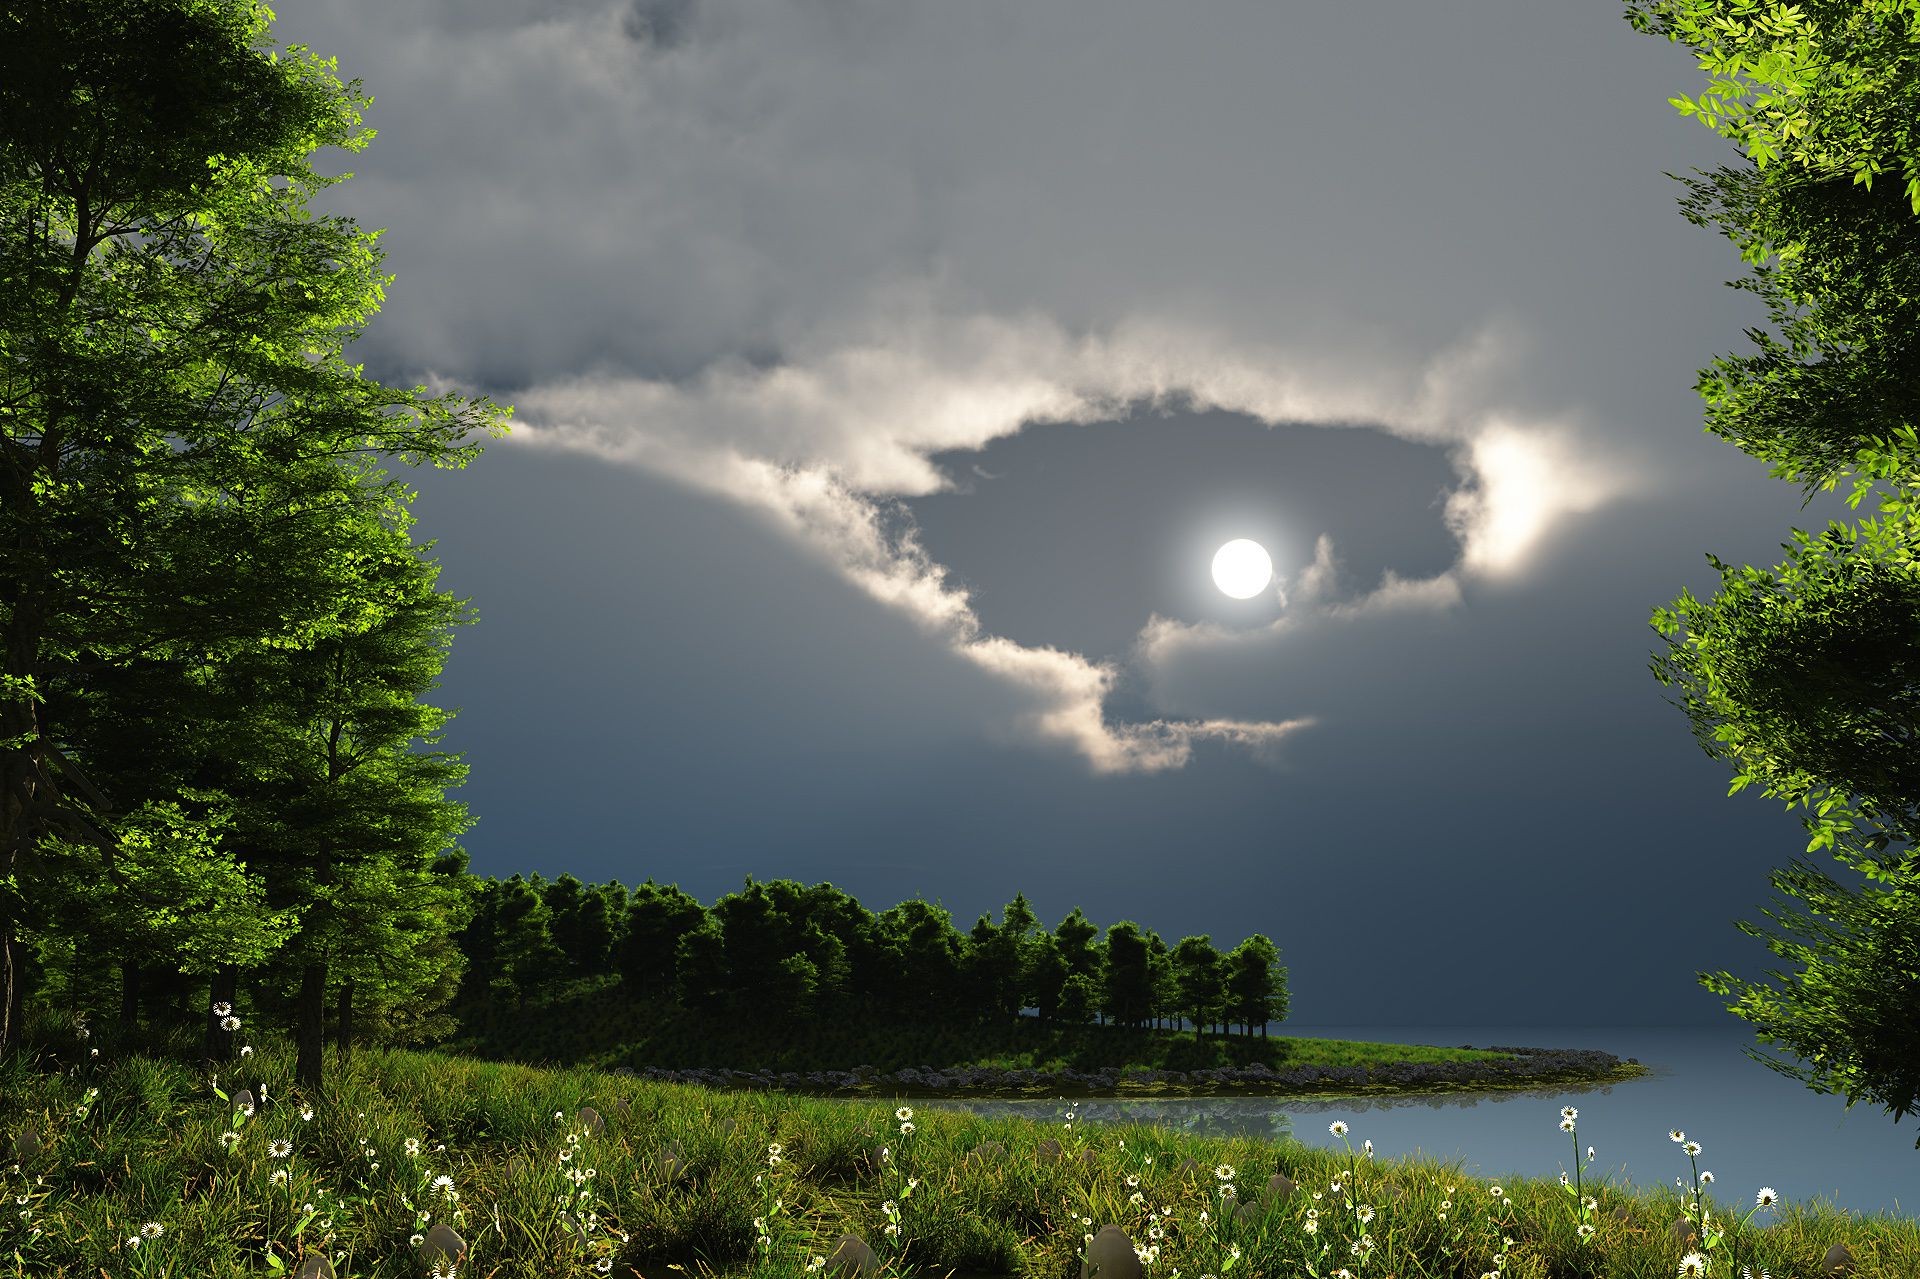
point(138, 1163)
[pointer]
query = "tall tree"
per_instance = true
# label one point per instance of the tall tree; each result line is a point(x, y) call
point(479, 943)
point(1256, 984)
point(1079, 1000)
point(657, 918)
point(1806, 677)
point(172, 318)
point(925, 949)
point(529, 962)
point(1020, 925)
point(1166, 991)
point(599, 927)
point(994, 964)
point(700, 967)
point(846, 947)
point(757, 939)
point(1201, 973)
point(1047, 977)
point(582, 925)
point(351, 816)
point(1128, 990)
point(1075, 936)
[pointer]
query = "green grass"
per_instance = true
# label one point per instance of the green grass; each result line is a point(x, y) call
point(770, 1193)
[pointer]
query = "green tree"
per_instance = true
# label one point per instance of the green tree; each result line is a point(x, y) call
point(804, 921)
point(1079, 999)
point(1828, 86)
point(172, 321)
point(758, 940)
point(700, 968)
point(1074, 936)
point(1256, 984)
point(351, 817)
point(832, 969)
point(1200, 972)
point(1020, 925)
point(925, 948)
point(647, 954)
point(1048, 977)
point(582, 925)
point(215, 913)
point(154, 732)
point(479, 942)
point(1166, 991)
point(529, 962)
point(402, 968)
point(995, 960)
point(842, 938)
point(1804, 677)
point(1850, 1011)
point(1127, 993)
point(789, 998)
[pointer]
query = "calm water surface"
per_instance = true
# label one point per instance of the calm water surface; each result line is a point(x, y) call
point(1755, 1127)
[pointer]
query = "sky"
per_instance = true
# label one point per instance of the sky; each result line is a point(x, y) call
point(886, 373)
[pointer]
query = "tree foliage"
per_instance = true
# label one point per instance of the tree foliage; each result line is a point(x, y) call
point(1806, 677)
point(175, 401)
point(1828, 86)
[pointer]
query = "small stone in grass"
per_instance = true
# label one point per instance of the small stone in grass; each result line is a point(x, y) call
point(851, 1256)
point(1111, 1256)
point(443, 1245)
point(984, 1151)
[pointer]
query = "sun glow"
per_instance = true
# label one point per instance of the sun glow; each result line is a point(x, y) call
point(1242, 569)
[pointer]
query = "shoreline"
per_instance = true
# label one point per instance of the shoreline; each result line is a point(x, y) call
point(1529, 1068)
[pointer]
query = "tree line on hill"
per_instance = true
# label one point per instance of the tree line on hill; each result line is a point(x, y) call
point(785, 953)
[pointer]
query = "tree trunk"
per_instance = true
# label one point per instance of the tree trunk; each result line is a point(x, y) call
point(13, 990)
point(310, 1010)
point(129, 999)
point(12, 979)
point(310, 1026)
point(343, 1030)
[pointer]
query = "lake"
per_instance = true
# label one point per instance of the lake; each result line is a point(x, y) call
point(1755, 1127)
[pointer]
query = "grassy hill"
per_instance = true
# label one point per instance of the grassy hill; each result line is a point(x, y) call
point(551, 1174)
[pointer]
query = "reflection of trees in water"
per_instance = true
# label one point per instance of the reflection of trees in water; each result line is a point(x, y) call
point(1241, 1116)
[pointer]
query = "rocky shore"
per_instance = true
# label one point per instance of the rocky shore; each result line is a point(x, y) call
point(929, 1081)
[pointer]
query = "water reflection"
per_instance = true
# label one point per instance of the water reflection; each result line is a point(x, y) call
point(1757, 1127)
point(1268, 1117)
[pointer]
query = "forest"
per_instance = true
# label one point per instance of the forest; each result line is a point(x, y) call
point(777, 953)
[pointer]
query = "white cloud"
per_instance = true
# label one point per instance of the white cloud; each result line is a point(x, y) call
point(795, 249)
point(819, 446)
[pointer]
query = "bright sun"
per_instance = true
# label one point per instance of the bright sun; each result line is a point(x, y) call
point(1241, 568)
